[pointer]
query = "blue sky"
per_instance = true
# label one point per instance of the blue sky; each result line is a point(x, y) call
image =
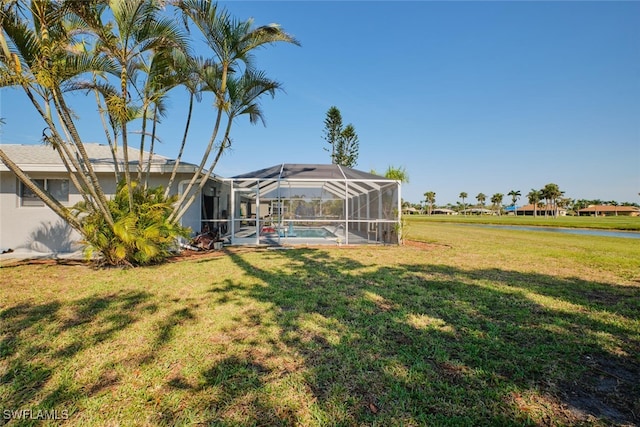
point(467, 96)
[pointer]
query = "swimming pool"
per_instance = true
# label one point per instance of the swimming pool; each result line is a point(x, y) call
point(297, 232)
point(316, 232)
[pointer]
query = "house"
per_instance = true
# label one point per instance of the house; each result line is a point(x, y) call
point(478, 211)
point(411, 211)
point(608, 210)
point(27, 224)
point(443, 211)
point(285, 203)
point(540, 210)
point(510, 210)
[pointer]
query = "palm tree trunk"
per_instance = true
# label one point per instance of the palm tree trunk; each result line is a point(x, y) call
point(204, 180)
point(60, 144)
point(113, 145)
point(101, 201)
point(142, 137)
point(182, 145)
point(151, 147)
point(173, 217)
point(62, 211)
point(125, 143)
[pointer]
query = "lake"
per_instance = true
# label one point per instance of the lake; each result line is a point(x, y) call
point(588, 232)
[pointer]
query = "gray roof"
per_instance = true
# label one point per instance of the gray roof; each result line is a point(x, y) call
point(336, 179)
point(43, 158)
point(306, 172)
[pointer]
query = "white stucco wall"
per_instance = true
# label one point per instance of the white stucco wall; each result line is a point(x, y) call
point(38, 228)
point(35, 228)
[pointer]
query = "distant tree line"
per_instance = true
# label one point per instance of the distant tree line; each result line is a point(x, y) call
point(547, 199)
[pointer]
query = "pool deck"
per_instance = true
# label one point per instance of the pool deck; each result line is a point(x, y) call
point(272, 239)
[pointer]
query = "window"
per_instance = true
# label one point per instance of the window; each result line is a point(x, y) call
point(58, 188)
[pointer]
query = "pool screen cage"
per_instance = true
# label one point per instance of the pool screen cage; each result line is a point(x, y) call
point(313, 204)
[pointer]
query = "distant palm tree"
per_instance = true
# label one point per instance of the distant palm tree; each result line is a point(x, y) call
point(566, 203)
point(534, 197)
point(551, 192)
point(463, 196)
point(496, 199)
point(515, 195)
point(399, 173)
point(482, 198)
point(430, 198)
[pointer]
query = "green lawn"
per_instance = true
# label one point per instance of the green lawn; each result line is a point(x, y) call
point(472, 327)
point(621, 222)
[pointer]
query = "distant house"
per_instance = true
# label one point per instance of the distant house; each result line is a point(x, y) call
point(411, 211)
point(510, 210)
point(607, 210)
point(27, 223)
point(443, 211)
point(543, 210)
point(478, 211)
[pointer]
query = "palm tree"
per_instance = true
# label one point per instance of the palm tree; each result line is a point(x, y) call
point(398, 173)
point(534, 197)
point(551, 192)
point(481, 198)
point(515, 195)
point(496, 200)
point(41, 59)
point(186, 67)
point(232, 43)
point(133, 55)
point(135, 33)
point(244, 95)
point(430, 198)
point(566, 203)
point(463, 196)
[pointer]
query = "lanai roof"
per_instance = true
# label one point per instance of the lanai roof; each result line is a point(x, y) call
point(328, 177)
point(305, 172)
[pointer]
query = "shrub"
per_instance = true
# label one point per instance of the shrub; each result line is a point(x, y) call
point(139, 236)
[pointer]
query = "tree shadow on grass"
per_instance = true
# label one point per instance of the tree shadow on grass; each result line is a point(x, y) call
point(416, 344)
point(37, 340)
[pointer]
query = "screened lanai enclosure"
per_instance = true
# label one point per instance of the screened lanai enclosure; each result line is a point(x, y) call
point(313, 204)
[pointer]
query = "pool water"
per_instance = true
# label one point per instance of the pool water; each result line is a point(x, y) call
point(311, 232)
point(298, 232)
